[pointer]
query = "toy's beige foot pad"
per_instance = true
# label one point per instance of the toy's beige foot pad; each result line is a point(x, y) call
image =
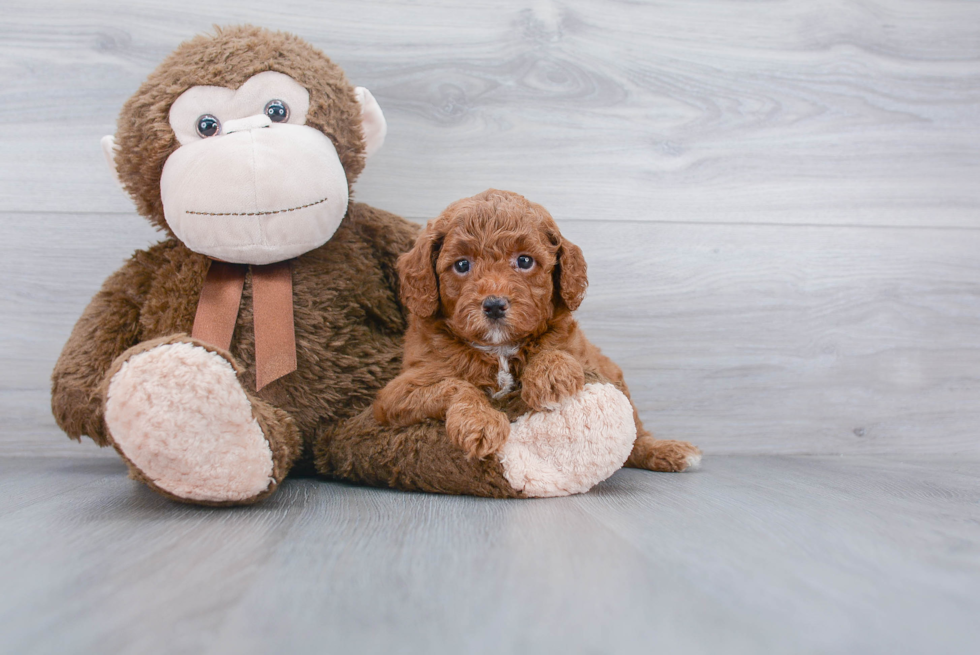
point(178, 414)
point(572, 448)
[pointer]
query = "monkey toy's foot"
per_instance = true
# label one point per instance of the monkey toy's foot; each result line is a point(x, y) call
point(179, 416)
point(572, 448)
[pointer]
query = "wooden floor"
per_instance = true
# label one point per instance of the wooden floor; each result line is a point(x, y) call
point(779, 202)
point(752, 554)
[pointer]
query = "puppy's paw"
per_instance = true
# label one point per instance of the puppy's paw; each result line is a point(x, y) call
point(551, 377)
point(478, 429)
point(664, 455)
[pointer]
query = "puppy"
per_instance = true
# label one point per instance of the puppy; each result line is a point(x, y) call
point(490, 286)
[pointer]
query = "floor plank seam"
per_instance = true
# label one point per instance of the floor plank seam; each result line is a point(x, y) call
point(575, 219)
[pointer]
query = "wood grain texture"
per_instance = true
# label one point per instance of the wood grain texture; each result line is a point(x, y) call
point(763, 339)
point(779, 112)
point(52, 264)
point(757, 554)
point(720, 162)
point(779, 206)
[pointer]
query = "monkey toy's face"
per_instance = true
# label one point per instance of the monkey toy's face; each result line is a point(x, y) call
point(251, 183)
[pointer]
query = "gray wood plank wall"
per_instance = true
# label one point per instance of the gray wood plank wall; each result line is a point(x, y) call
point(779, 201)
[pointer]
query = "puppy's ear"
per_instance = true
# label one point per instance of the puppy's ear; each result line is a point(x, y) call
point(418, 286)
point(571, 278)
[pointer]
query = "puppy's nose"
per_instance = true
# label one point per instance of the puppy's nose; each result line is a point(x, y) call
point(495, 307)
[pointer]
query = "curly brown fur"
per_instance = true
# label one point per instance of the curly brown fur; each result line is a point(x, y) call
point(508, 315)
point(349, 323)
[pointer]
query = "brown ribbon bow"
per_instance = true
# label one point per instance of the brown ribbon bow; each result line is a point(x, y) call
point(272, 310)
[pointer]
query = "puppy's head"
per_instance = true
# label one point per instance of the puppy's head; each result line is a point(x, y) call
point(494, 267)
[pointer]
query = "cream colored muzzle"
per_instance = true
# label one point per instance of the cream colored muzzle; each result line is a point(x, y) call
point(256, 193)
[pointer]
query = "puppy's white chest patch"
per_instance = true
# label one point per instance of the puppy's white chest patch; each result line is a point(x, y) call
point(505, 381)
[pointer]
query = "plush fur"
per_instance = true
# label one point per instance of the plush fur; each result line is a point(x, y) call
point(349, 327)
point(348, 321)
point(547, 457)
point(459, 349)
point(203, 401)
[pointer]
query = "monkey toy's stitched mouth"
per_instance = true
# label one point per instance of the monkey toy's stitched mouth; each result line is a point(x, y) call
point(268, 213)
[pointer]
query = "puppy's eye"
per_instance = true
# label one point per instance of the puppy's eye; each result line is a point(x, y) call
point(462, 266)
point(207, 125)
point(525, 262)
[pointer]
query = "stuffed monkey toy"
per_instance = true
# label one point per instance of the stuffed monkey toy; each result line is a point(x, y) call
point(253, 338)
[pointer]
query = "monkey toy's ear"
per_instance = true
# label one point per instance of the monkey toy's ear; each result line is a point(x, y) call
point(109, 150)
point(372, 121)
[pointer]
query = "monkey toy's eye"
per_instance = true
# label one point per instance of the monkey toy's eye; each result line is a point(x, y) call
point(208, 125)
point(277, 111)
point(525, 262)
point(462, 266)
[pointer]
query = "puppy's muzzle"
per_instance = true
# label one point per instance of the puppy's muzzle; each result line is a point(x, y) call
point(495, 307)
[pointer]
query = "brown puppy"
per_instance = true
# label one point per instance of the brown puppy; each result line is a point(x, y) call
point(490, 286)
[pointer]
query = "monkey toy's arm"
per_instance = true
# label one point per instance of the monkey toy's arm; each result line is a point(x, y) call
point(108, 326)
point(388, 236)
